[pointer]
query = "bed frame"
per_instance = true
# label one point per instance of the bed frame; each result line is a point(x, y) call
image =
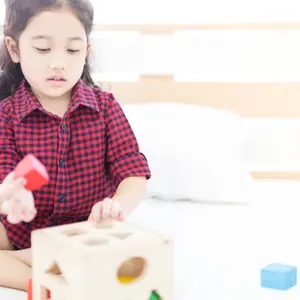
point(260, 99)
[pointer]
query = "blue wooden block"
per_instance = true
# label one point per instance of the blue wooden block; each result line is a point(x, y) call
point(279, 276)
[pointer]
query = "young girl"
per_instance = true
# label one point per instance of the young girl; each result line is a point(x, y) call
point(50, 107)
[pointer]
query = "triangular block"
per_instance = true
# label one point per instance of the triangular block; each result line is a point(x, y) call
point(55, 270)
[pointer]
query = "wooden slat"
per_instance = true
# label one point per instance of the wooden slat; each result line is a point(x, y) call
point(254, 100)
point(171, 28)
point(276, 175)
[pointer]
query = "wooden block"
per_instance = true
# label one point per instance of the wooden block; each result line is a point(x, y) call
point(29, 291)
point(120, 261)
point(33, 171)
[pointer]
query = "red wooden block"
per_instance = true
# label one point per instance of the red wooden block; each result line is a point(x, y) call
point(33, 171)
point(29, 290)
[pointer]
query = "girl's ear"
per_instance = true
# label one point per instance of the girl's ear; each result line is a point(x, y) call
point(88, 49)
point(12, 49)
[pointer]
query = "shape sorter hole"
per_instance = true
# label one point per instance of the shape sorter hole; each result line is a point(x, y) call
point(96, 241)
point(121, 235)
point(131, 270)
point(74, 232)
point(54, 269)
point(105, 224)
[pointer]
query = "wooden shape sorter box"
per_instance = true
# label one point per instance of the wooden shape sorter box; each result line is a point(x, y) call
point(112, 260)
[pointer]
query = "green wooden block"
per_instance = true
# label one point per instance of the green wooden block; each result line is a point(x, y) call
point(154, 296)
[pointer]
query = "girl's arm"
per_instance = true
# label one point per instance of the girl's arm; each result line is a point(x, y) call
point(126, 165)
point(130, 192)
point(16, 274)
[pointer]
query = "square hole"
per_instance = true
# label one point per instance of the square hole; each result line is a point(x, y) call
point(74, 232)
point(105, 224)
point(96, 241)
point(121, 235)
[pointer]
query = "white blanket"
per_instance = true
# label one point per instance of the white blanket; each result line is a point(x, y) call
point(220, 250)
point(8, 294)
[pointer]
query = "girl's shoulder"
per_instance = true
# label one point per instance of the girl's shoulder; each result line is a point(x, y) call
point(6, 107)
point(102, 95)
point(104, 98)
point(96, 97)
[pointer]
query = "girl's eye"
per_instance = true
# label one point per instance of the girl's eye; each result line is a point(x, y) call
point(73, 51)
point(42, 50)
point(47, 49)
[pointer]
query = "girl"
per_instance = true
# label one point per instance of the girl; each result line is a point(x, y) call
point(50, 107)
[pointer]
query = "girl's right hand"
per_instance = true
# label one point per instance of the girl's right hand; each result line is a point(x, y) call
point(15, 201)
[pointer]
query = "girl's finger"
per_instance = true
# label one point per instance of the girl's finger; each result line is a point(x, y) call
point(16, 210)
point(106, 208)
point(18, 183)
point(13, 218)
point(116, 210)
point(6, 207)
point(121, 216)
point(27, 215)
point(12, 188)
point(10, 177)
point(95, 215)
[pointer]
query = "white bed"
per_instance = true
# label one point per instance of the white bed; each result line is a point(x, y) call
point(229, 226)
point(198, 143)
point(222, 248)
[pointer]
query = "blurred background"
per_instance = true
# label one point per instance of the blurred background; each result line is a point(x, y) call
point(210, 56)
point(194, 154)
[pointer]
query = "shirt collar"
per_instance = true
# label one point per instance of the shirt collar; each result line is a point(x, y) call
point(26, 102)
point(83, 95)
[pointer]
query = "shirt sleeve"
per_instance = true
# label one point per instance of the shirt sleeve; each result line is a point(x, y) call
point(8, 153)
point(124, 158)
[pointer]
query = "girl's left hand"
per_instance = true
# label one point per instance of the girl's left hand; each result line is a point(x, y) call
point(106, 209)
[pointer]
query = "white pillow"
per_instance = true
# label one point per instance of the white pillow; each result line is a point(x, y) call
point(194, 152)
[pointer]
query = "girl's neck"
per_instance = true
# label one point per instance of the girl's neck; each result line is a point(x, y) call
point(57, 106)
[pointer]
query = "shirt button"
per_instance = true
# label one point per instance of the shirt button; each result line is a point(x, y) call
point(61, 162)
point(64, 127)
point(61, 198)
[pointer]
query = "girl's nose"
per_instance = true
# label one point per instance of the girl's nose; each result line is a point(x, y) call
point(58, 63)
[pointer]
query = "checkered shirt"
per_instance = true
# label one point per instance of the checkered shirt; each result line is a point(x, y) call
point(87, 153)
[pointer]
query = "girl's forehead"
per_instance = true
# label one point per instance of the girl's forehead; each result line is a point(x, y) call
point(61, 24)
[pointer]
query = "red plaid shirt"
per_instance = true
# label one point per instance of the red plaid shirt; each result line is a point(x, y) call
point(87, 153)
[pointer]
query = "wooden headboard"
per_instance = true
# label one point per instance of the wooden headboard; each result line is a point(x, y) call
point(248, 99)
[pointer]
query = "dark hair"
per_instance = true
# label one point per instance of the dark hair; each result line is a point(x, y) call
point(18, 14)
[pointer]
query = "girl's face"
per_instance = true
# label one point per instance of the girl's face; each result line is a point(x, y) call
point(52, 51)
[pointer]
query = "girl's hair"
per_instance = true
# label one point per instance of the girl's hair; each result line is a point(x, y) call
point(18, 14)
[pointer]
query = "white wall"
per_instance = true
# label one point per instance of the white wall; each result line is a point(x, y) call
point(115, 11)
point(211, 56)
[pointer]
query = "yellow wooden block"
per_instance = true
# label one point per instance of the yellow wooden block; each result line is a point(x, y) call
point(126, 279)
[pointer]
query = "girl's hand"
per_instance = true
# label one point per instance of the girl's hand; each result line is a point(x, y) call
point(106, 209)
point(15, 201)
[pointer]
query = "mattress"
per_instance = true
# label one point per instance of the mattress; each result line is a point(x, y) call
point(220, 249)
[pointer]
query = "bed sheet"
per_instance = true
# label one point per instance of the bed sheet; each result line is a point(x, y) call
point(220, 249)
